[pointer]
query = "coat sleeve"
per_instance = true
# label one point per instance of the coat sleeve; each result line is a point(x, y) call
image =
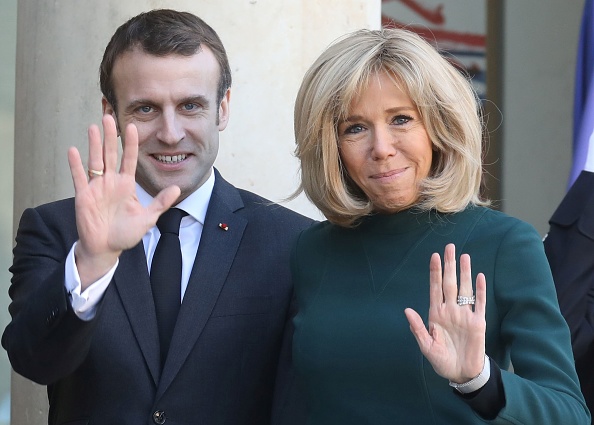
point(542, 386)
point(569, 246)
point(289, 404)
point(45, 340)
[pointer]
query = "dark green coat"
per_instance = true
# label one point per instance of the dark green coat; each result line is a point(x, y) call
point(353, 349)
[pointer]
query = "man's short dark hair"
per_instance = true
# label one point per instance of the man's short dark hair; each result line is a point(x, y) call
point(162, 32)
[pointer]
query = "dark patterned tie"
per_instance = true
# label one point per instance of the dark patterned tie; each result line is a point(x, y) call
point(166, 271)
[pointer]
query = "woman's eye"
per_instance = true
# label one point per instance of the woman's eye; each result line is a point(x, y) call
point(354, 129)
point(401, 119)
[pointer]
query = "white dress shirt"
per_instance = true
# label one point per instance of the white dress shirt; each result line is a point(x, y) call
point(190, 232)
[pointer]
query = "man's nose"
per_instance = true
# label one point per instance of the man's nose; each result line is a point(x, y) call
point(171, 130)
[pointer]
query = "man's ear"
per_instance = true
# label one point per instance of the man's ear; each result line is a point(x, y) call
point(109, 110)
point(224, 110)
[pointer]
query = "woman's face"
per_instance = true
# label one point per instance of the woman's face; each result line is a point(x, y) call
point(384, 146)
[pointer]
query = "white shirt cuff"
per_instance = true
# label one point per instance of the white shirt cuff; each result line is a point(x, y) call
point(84, 304)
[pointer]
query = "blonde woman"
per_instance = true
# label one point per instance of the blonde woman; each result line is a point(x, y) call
point(389, 138)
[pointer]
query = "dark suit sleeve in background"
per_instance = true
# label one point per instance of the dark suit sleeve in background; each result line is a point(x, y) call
point(569, 247)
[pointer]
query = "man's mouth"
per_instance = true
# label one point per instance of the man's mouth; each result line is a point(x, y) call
point(170, 159)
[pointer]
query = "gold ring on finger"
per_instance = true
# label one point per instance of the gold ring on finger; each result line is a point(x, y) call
point(95, 173)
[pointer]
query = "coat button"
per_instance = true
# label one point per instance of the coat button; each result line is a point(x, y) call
point(159, 417)
point(52, 316)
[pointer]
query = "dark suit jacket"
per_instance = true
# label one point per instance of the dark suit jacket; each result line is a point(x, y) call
point(227, 345)
point(569, 246)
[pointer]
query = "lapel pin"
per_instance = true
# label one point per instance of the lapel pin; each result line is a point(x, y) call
point(224, 226)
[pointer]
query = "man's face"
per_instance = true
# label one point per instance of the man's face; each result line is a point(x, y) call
point(172, 100)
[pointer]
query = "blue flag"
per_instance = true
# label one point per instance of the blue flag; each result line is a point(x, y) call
point(583, 106)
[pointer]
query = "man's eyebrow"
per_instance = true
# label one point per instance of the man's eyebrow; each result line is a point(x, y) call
point(199, 99)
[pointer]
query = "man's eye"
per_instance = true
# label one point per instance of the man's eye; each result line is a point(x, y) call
point(189, 106)
point(145, 109)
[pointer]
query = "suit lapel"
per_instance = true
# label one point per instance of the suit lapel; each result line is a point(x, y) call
point(132, 282)
point(216, 253)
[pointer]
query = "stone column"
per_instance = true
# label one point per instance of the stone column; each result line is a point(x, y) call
point(60, 44)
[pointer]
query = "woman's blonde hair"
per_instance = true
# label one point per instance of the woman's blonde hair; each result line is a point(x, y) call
point(445, 99)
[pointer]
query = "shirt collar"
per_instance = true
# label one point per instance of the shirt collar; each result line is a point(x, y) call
point(196, 204)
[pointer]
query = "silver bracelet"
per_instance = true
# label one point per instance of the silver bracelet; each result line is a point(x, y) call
point(475, 383)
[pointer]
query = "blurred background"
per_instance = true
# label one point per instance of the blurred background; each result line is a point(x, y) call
point(520, 54)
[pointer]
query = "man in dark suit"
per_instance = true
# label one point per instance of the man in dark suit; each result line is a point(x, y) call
point(569, 246)
point(85, 315)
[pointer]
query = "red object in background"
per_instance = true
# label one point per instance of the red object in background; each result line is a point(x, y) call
point(435, 16)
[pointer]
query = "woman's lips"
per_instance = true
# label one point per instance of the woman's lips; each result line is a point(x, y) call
point(388, 174)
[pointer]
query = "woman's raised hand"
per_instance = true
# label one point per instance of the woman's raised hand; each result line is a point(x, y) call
point(454, 341)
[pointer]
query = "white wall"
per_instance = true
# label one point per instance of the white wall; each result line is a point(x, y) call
point(269, 54)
